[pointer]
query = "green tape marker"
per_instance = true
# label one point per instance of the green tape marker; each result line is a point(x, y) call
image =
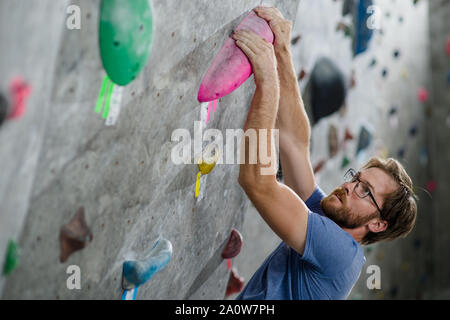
point(101, 95)
point(108, 100)
point(12, 258)
point(125, 38)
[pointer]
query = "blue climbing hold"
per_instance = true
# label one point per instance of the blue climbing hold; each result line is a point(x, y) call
point(364, 139)
point(135, 273)
point(363, 34)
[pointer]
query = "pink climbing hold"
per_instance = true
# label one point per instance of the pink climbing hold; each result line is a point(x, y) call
point(231, 67)
point(235, 283)
point(20, 91)
point(229, 264)
point(422, 95)
point(233, 246)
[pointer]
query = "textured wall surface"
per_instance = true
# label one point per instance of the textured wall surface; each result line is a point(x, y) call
point(61, 156)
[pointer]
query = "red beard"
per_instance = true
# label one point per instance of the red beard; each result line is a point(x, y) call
point(334, 206)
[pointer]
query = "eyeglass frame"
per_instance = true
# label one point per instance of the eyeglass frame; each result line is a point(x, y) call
point(356, 176)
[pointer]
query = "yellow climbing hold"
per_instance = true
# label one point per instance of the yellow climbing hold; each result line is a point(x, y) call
point(206, 164)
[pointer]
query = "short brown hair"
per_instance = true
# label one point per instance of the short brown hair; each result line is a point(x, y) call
point(400, 207)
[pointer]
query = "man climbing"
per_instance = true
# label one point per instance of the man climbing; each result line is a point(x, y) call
point(320, 256)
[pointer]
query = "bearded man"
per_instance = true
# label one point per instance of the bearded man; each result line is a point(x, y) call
point(320, 256)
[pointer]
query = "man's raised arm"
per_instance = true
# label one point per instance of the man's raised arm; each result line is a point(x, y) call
point(278, 205)
point(292, 119)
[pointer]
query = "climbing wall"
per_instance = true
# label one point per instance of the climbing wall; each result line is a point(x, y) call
point(79, 189)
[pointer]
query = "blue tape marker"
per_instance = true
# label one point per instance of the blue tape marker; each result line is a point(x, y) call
point(129, 294)
point(135, 273)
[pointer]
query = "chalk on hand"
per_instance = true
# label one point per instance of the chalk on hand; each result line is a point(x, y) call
point(136, 273)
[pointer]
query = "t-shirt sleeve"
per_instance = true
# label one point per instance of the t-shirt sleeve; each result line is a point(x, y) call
point(329, 249)
point(313, 202)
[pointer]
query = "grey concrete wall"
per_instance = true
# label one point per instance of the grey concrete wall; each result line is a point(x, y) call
point(438, 131)
point(61, 156)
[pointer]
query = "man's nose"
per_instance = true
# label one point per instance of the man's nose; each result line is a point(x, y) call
point(348, 187)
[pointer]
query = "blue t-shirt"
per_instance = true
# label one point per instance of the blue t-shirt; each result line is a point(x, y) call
point(329, 268)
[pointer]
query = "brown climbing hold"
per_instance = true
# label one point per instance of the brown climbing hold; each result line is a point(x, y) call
point(332, 141)
point(235, 283)
point(233, 246)
point(74, 235)
point(302, 74)
point(319, 166)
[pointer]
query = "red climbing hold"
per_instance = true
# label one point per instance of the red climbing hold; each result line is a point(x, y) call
point(235, 283)
point(422, 95)
point(233, 246)
point(20, 91)
point(431, 185)
point(74, 235)
point(348, 135)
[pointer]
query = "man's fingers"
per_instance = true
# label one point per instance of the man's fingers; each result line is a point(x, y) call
point(269, 12)
point(248, 52)
point(252, 40)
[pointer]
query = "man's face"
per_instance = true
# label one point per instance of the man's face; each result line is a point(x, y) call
point(348, 210)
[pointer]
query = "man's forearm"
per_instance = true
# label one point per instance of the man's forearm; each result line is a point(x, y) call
point(262, 115)
point(292, 119)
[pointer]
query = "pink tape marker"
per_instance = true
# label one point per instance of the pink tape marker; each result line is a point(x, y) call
point(20, 91)
point(229, 264)
point(209, 111)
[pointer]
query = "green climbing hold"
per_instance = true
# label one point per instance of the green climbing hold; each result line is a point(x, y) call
point(344, 162)
point(125, 36)
point(12, 258)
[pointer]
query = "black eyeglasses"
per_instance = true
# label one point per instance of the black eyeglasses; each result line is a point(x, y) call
point(361, 189)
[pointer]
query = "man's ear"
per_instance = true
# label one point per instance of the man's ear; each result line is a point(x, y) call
point(377, 225)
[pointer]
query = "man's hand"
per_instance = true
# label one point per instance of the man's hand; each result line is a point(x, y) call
point(261, 55)
point(279, 25)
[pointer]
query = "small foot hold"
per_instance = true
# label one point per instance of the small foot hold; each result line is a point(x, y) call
point(235, 283)
point(74, 236)
point(233, 246)
point(135, 273)
point(12, 258)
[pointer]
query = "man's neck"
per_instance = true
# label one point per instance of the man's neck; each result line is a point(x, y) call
point(357, 233)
